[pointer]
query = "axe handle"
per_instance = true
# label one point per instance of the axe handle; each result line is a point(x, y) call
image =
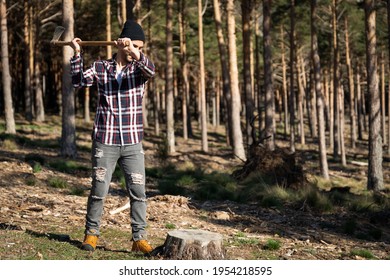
point(85, 43)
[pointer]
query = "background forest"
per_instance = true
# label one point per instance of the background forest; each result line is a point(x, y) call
point(306, 82)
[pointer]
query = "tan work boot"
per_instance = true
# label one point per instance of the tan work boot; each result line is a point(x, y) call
point(90, 242)
point(141, 246)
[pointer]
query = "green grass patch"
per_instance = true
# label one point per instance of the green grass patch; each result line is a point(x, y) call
point(68, 166)
point(31, 181)
point(58, 183)
point(170, 226)
point(363, 253)
point(37, 167)
point(241, 238)
point(30, 245)
point(272, 245)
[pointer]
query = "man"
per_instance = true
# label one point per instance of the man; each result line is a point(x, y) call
point(118, 129)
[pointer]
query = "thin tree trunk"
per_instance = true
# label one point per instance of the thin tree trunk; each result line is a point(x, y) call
point(331, 109)
point(156, 107)
point(205, 146)
point(285, 94)
point(32, 39)
point(26, 62)
point(351, 86)
point(184, 67)
point(313, 107)
point(225, 70)
point(383, 99)
point(318, 92)
point(169, 79)
point(301, 94)
point(268, 86)
point(375, 172)
point(68, 142)
point(246, 8)
point(360, 116)
point(108, 27)
point(218, 93)
point(292, 92)
point(336, 83)
point(6, 77)
point(87, 115)
point(326, 99)
point(238, 145)
point(342, 126)
point(39, 104)
point(388, 102)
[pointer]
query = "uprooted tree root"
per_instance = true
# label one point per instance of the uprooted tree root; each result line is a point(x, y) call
point(280, 166)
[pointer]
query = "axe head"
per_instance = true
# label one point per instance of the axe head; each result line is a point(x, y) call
point(57, 34)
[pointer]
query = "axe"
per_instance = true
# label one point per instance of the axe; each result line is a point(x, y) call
point(57, 35)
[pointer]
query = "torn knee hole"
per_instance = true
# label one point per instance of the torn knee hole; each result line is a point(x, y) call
point(137, 179)
point(100, 173)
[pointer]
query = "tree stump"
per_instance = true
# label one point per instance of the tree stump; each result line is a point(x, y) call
point(193, 245)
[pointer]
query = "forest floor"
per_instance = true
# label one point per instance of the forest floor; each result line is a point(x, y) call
point(41, 219)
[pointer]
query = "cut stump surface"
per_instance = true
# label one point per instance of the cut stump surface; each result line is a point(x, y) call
point(193, 245)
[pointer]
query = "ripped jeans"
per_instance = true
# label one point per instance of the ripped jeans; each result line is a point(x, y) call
point(132, 162)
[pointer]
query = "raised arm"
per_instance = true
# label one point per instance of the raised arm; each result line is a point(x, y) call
point(80, 78)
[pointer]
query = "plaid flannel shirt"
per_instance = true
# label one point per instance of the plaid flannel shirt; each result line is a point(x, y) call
point(118, 119)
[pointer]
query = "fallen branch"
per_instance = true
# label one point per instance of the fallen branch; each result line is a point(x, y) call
point(359, 163)
point(120, 209)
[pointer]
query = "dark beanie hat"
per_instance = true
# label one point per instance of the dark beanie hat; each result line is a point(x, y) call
point(132, 30)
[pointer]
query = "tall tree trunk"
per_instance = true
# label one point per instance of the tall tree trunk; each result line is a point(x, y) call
point(268, 86)
point(292, 92)
point(202, 84)
point(331, 109)
point(32, 39)
point(169, 79)
point(225, 70)
point(388, 95)
point(383, 98)
point(318, 92)
point(87, 115)
point(258, 80)
point(351, 85)
point(156, 107)
point(301, 96)
point(246, 8)
point(342, 125)
point(184, 67)
point(6, 77)
point(313, 108)
point(235, 106)
point(360, 112)
point(39, 104)
point(284, 70)
point(336, 81)
point(375, 172)
point(326, 99)
point(68, 137)
point(26, 61)
point(108, 27)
